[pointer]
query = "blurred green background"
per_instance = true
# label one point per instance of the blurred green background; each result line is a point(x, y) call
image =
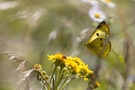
point(37, 28)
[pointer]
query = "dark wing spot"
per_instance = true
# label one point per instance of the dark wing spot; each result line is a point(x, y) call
point(101, 39)
point(97, 34)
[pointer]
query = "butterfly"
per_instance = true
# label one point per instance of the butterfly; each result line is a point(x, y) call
point(99, 42)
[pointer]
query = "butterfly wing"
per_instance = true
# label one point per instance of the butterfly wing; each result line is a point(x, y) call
point(100, 47)
point(102, 31)
point(99, 42)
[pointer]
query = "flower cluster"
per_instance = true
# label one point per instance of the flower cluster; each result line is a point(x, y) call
point(66, 68)
point(95, 13)
point(73, 65)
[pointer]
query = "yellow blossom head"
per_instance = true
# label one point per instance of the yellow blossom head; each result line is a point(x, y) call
point(94, 85)
point(85, 72)
point(89, 75)
point(58, 59)
point(38, 67)
point(72, 65)
point(77, 60)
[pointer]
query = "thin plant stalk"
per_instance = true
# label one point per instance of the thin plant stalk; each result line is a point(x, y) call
point(59, 78)
point(65, 83)
point(52, 75)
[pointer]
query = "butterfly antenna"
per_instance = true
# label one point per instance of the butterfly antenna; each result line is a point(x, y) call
point(83, 43)
point(80, 38)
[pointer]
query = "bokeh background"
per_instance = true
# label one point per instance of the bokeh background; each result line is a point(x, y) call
point(34, 29)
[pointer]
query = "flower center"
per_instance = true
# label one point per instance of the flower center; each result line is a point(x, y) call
point(97, 15)
point(107, 1)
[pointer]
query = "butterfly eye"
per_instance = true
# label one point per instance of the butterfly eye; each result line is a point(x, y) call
point(97, 34)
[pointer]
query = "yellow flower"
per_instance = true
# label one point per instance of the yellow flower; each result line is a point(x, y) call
point(58, 59)
point(72, 65)
point(95, 85)
point(56, 56)
point(85, 72)
point(38, 67)
point(78, 67)
point(77, 60)
point(89, 75)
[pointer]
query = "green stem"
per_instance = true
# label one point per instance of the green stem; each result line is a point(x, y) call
point(52, 77)
point(65, 83)
point(59, 79)
point(53, 73)
point(56, 78)
point(43, 79)
point(43, 84)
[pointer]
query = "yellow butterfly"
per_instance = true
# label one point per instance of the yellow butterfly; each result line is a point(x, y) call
point(99, 42)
